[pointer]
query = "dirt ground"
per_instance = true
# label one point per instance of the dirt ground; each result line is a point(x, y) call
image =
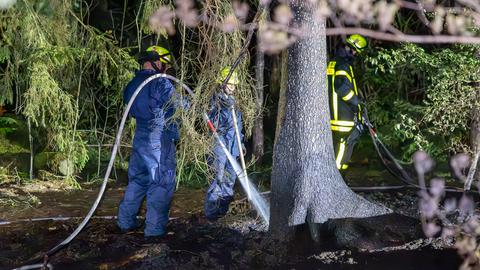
point(195, 245)
point(238, 241)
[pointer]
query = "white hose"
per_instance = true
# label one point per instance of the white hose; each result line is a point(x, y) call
point(240, 150)
point(36, 266)
point(61, 218)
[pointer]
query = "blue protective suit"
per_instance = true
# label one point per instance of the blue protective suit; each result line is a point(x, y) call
point(151, 170)
point(220, 192)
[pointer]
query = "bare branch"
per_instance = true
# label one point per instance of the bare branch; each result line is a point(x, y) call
point(472, 4)
point(410, 5)
point(421, 13)
point(403, 38)
point(394, 30)
point(276, 35)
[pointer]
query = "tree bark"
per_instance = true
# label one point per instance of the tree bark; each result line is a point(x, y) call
point(475, 124)
point(281, 94)
point(306, 185)
point(258, 134)
point(475, 129)
point(30, 142)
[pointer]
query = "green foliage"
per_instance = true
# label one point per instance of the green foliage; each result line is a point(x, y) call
point(408, 23)
point(7, 147)
point(192, 174)
point(57, 66)
point(7, 125)
point(68, 77)
point(4, 54)
point(423, 99)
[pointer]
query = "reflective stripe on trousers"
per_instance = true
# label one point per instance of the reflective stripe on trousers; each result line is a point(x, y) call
point(341, 152)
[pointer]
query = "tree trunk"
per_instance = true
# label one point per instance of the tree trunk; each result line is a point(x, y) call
point(281, 94)
point(475, 129)
point(30, 142)
point(475, 124)
point(306, 185)
point(258, 134)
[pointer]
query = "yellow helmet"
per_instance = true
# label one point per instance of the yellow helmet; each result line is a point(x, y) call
point(224, 73)
point(358, 42)
point(164, 54)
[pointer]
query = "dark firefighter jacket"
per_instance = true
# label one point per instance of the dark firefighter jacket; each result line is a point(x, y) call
point(343, 93)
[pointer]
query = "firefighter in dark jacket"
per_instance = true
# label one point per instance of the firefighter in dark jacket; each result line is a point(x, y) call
point(345, 104)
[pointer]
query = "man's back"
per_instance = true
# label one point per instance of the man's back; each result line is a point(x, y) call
point(153, 97)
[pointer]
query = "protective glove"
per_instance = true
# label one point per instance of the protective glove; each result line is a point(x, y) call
point(359, 126)
point(366, 122)
point(227, 101)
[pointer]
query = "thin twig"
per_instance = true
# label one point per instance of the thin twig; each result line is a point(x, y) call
point(108, 145)
point(30, 140)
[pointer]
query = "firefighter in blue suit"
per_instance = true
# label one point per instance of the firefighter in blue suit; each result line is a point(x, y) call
point(220, 192)
point(151, 170)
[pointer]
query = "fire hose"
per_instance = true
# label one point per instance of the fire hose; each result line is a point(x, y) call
point(84, 222)
point(391, 163)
